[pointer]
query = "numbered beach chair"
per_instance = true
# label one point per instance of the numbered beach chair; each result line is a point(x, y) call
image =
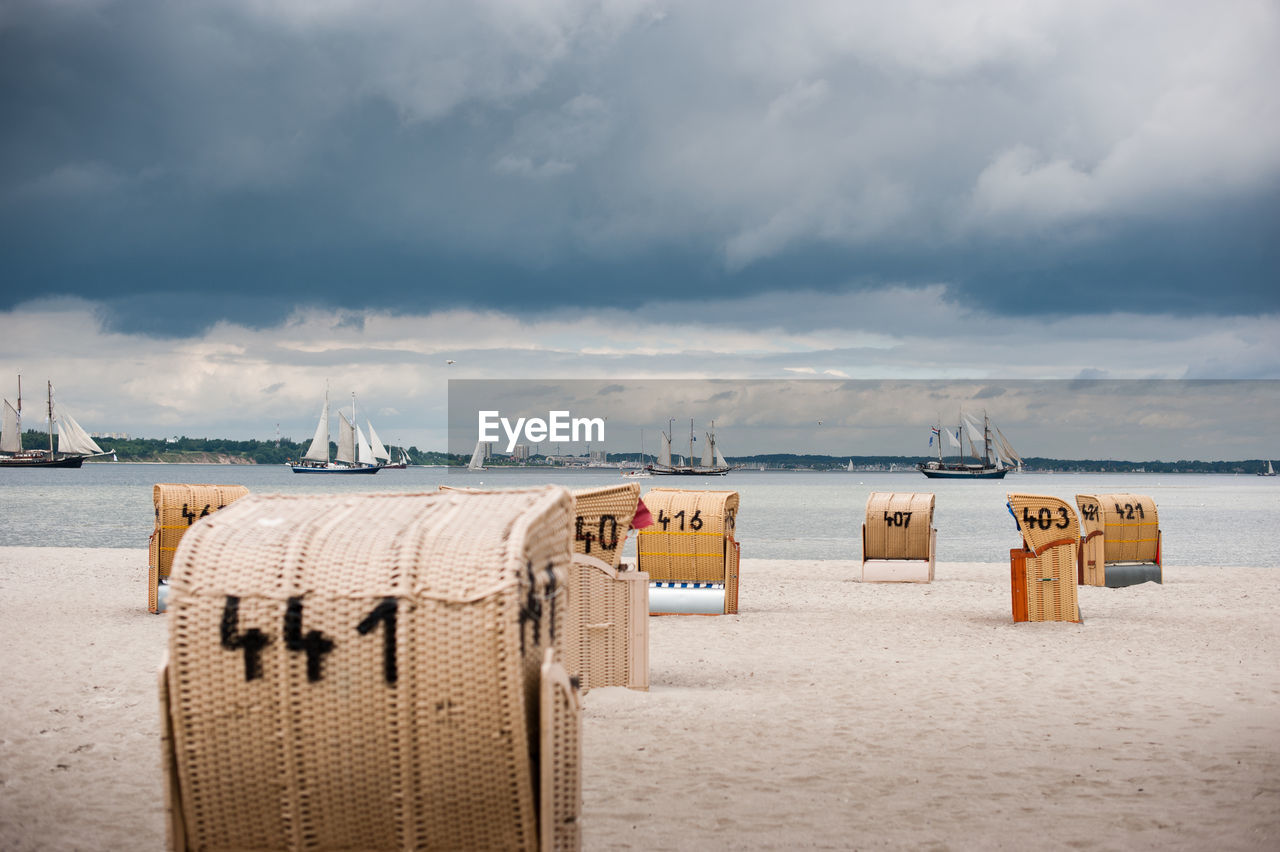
point(689, 553)
point(178, 506)
point(1043, 570)
point(898, 538)
point(607, 603)
point(1121, 544)
point(608, 639)
point(373, 672)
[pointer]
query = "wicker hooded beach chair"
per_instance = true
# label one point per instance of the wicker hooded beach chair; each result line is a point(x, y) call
point(607, 606)
point(177, 507)
point(607, 643)
point(1121, 544)
point(373, 672)
point(689, 553)
point(1043, 570)
point(898, 538)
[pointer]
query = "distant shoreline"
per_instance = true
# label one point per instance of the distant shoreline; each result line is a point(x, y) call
point(538, 468)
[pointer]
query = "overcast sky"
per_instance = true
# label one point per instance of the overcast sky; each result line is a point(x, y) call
point(208, 210)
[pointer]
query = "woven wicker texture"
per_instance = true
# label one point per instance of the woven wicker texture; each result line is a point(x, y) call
point(898, 525)
point(692, 539)
point(364, 671)
point(560, 753)
point(1051, 533)
point(611, 609)
point(178, 506)
point(602, 518)
point(1129, 523)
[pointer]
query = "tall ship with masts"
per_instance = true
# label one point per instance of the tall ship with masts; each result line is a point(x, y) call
point(989, 456)
point(713, 463)
point(355, 453)
point(74, 444)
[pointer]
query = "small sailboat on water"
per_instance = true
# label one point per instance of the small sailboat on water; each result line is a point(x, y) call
point(1270, 471)
point(640, 472)
point(74, 444)
point(354, 454)
point(477, 457)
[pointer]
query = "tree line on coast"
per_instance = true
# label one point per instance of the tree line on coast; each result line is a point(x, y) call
point(283, 451)
point(184, 449)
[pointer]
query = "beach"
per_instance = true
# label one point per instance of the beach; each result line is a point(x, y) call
point(827, 713)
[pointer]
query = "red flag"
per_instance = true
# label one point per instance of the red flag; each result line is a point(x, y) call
point(643, 518)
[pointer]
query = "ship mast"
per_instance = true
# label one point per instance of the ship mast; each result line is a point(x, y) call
point(50, 420)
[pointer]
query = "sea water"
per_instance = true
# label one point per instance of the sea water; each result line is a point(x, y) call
point(1206, 519)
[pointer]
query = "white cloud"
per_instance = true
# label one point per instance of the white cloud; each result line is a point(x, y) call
point(240, 382)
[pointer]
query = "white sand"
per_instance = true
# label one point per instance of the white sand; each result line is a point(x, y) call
point(827, 714)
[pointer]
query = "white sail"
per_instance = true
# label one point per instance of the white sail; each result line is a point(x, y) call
point(720, 462)
point(664, 450)
point(952, 439)
point(346, 440)
point(1007, 449)
point(708, 450)
point(319, 449)
point(379, 451)
point(364, 453)
point(850, 467)
point(72, 439)
point(11, 436)
point(974, 431)
point(477, 457)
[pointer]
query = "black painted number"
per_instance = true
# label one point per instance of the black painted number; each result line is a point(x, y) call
point(385, 614)
point(898, 519)
point(190, 514)
point(1126, 511)
point(695, 520)
point(251, 641)
point(1044, 518)
point(605, 533)
point(313, 643)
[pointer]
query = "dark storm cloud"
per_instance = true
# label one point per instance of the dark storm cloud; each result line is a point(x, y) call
point(183, 163)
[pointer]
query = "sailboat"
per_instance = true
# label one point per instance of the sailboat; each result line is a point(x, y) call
point(713, 463)
point(477, 457)
point(640, 472)
point(354, 453)
point(994, 460)
point(74, 444)
point(850, 467)
point(1270, 471)
point(401, 463)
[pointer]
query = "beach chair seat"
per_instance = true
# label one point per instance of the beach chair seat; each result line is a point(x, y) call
point(374, 672)
point(178, 506)
point(1121, 544)
point(690, 553)
point(1043, 570)
point(898, 538)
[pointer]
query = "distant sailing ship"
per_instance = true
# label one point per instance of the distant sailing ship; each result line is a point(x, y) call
point(401, 463)
point(355, 455)
point(74, 444)
point(1270, 471)
point(713, 463)
point(995, 459)
point(477, 457)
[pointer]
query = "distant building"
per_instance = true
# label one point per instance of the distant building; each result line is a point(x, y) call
point(520, 453)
